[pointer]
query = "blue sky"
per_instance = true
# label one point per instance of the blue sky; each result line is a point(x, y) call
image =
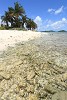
point(48, 14)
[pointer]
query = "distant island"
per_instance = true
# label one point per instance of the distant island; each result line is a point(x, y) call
point(62, 31)
point(54, 31)
point(48, 31)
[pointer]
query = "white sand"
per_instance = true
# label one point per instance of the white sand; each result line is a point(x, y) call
point(11, 37)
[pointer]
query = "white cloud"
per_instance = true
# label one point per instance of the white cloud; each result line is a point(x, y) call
point(56, 11)
point(58, 24)
point(51, 10)
point(60, 10)
point(38, 21)
point(49, 24)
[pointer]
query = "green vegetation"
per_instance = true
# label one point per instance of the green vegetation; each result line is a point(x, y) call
point(62, 31)
point(2, 28)
point(54, 31)
point(16, 17)
point(48, 31)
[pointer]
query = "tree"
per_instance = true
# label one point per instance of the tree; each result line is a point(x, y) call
point(11, 15)
point(18, 13)
point(18, 10)
point(16, 16)
point(5, 18)
point(24, 20)
point(31, 24)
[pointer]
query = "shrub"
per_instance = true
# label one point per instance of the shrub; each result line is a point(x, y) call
point(2, 28)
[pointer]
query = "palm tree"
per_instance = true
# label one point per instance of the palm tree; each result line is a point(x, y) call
point(31, 24)
point(18, 10)
point(5, 18)
point(16, 16)
point(24, 20)
point(11, 15)
point(18, 13)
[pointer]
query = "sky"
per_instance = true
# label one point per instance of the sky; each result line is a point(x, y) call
point(48, 14)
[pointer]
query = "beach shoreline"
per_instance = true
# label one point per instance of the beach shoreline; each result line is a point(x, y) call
point(11, 37)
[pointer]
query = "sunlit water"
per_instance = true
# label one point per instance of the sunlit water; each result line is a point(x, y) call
point(54, 47)
point(58, 39)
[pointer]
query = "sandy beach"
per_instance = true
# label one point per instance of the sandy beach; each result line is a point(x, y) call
point(11, 37)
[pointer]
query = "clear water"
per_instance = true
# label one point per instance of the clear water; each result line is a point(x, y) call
point(57, 38)
point(54, 40)
point(54, 47)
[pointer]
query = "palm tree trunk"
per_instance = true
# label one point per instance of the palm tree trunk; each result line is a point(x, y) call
point(7, 24)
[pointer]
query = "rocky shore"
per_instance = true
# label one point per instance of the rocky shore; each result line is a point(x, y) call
point(33, 70)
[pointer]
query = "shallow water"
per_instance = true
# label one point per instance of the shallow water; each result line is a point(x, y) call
point(40, 64)
point(54, 38)
point(57, 40)
point(54, 47)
